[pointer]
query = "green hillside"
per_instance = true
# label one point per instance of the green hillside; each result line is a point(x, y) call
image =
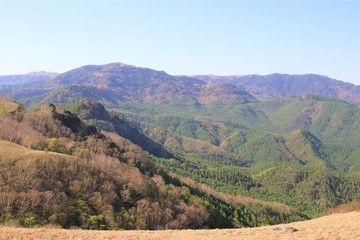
point(261, 145)
point(331, 120)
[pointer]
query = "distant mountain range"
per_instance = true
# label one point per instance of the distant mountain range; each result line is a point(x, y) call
point(281, 85)
point(116, 82)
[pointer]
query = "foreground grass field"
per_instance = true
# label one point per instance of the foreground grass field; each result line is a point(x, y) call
point(337, 226)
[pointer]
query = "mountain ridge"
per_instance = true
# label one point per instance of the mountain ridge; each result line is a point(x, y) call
point(131, 83)
point(279, 85)
point(117, 82)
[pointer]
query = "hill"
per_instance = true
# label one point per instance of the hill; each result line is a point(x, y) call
point(337, 226)
point(57, 169)
point(331, 120)
point(282, 85)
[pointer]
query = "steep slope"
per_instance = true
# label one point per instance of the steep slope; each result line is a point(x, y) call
point(280, 85)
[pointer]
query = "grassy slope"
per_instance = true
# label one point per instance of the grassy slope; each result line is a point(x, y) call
point(10, 150)
point(338, 226)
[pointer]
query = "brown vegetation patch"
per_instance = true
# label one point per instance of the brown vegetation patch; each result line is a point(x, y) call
point(237, 200)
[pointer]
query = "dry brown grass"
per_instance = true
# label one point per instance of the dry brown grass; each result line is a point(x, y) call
point(8, 107)
point(338, 226)
point(9, 150)
point(344, 208)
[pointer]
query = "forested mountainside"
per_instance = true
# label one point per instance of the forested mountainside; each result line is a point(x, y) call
point(282, 85)
point(55, 168)
point(300, 150)
point(291, 166)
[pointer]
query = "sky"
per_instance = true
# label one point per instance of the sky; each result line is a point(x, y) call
point(183, 37)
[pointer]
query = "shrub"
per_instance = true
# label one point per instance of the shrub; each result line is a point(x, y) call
point(96, 222)
point(30, 222)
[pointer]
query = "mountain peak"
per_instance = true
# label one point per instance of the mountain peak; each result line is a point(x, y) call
point(116, 82)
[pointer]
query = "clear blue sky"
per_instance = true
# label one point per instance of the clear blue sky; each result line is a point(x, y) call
point(183, 37)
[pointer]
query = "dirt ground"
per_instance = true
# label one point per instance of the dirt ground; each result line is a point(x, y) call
point(338, 226)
